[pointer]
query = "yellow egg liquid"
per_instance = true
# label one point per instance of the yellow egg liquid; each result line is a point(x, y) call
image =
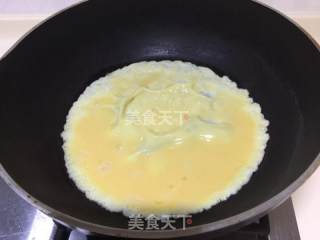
point(163, 138)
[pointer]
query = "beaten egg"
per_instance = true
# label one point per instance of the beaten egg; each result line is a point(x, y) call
point(165, 137)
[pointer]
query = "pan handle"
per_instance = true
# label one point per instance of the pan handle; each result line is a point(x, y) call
point(60, 232)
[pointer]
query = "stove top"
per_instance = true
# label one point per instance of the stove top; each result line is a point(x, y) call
point(21, 221)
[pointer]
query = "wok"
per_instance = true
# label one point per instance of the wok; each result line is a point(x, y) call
point(255, 46)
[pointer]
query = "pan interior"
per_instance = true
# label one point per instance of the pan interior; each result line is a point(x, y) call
point(255, 47)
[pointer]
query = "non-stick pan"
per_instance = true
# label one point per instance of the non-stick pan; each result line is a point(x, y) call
point(255, 46)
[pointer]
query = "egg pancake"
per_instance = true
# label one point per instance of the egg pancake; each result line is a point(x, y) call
point(165, 137)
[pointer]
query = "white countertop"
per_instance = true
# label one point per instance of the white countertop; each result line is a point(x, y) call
point(306, 199)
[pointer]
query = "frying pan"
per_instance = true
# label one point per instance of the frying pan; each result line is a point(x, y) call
point(255, 46)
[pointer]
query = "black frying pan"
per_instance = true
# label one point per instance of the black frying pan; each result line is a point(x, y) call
point(256, 47)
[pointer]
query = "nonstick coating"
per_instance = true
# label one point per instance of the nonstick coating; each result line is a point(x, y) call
point(256, 47)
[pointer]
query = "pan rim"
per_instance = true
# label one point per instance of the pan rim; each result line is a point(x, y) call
point(233, 221)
